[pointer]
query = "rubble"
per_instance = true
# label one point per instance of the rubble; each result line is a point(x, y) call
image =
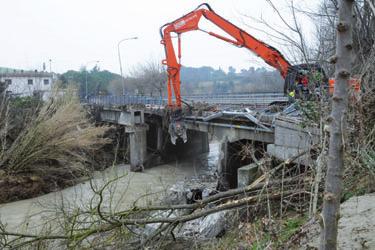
point(207, 227)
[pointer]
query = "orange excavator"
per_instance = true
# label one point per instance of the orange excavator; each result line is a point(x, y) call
point(240, 38)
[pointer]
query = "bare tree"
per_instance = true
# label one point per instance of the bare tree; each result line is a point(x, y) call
point(150, 77)
point(287, 32)
point(333, 186)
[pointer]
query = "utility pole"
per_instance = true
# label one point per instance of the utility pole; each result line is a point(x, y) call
point(337, 120)
point(50, 65)
point(119, 59)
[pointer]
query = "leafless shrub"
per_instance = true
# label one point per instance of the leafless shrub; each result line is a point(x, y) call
point(148, 78)
point(4, 108)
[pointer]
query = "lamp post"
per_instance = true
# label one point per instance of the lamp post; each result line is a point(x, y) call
point(86, 96)
point(50, 65)
point(119, 59)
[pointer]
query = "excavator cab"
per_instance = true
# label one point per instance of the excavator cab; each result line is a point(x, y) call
point(306, 81)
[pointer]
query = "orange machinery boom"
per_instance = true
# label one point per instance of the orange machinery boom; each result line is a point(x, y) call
point(190, 22)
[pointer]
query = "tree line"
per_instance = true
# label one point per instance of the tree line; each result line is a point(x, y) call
point(150, 79)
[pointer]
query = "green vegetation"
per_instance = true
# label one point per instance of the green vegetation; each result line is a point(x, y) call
point(259, 235)
point(5, 70)
point(150, 79)
point(311, 112)
point(290, 227)
point(209, 80)
point(25, 102)
point(99, 82)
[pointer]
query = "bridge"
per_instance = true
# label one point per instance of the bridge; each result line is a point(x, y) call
point(233, 120)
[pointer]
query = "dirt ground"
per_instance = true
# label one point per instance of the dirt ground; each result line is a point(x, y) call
point(14, 188)
point(356, 226)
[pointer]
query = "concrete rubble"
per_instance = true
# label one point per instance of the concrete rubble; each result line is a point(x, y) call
point(207, 227)
point(187, 192)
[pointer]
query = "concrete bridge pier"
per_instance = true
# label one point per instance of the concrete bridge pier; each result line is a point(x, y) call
point(156, 140)
point(229, 162)
point(159, 138)
point(138, 146)
point(135, 127)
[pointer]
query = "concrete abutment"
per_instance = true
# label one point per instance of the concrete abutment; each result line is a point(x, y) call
point(233, 156)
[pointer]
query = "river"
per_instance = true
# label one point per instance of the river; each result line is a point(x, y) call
point(121, 194)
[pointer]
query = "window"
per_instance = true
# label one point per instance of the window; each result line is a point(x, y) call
point(46, 81)
point(30, 81)
point(8, 81)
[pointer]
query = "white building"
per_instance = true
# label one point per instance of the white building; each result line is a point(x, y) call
point(27, 83)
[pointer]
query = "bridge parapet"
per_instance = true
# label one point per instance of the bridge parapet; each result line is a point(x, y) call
point(126, 100)
point(130, 117)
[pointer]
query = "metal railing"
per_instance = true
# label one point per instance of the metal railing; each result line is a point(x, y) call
point(238, 99)
point(257, 99)
point(126, 100)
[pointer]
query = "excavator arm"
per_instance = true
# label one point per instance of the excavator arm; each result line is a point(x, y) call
point(240, 38)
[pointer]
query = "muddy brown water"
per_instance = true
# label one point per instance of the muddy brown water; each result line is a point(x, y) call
point(149, 185)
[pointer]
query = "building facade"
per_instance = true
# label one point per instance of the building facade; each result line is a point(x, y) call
point(28, 83)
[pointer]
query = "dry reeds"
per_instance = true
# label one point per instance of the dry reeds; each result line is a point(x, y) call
point(60, 133)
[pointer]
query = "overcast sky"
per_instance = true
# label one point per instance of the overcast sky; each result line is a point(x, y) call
point(74, 32)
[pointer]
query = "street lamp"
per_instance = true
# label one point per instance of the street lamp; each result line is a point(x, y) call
point(119, 59)
point(96, 61)
point(50, 65)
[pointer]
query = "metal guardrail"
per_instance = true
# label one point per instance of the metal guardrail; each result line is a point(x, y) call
point(258, 99)
point(126, 100)
point(238, 99)
point(270, 94)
